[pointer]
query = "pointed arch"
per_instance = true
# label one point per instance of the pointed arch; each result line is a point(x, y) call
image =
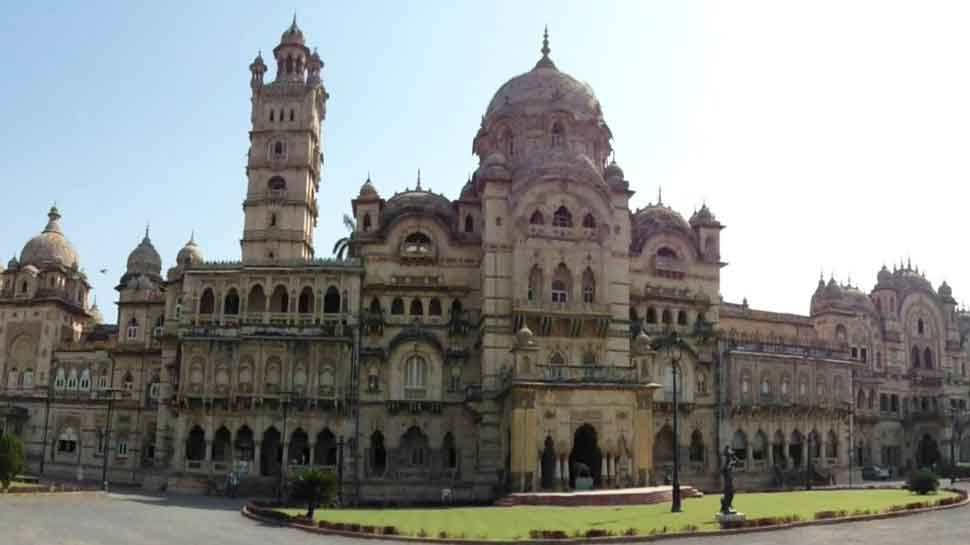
point(589, 286)
point(417, 308)
point(535, 284)
point(434, 307)
point(562, 217)
point(537, 218)
point(207, 304)
point(469, 224)
point(331, 301)
point(561, 284)
point(306, 301)
point(230, 306)
point(397, 306)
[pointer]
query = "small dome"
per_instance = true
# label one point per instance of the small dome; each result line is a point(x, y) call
point(613, 171)
point(96, 316)
point(190, 254)
point(946, 290)
point(50, 246)
point(144, 259)
point(367, 191)
point(258, 64)
point(658, 216)
point(12, 264)
point(884, 275)
point(292, 35)
point(524, 336)
point(703, 217)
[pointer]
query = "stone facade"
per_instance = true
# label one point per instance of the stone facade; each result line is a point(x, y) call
point(502, 341)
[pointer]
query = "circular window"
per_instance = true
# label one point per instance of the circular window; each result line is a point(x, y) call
point(277, 184)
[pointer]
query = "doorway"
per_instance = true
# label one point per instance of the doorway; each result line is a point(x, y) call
point(586, 454)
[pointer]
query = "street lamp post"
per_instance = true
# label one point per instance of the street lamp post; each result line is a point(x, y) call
point(106, 452)
point(673, 343)
point(808, 464)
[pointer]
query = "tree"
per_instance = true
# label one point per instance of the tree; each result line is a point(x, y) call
point(11, 459)
point(314, 486)
point(343, 243)
point(923, 481)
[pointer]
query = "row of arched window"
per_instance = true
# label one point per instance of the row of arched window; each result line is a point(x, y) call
point(666, 316)
point(272, 376)
point(416, 307)
point(921, 359)
point(133, 329)
point(759, 445)
point(562, 217)
point(561, 287)
point(768, 388)
point(279, 301)
point(273, 116)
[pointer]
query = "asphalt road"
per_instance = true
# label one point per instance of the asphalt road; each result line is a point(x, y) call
point(128, 519)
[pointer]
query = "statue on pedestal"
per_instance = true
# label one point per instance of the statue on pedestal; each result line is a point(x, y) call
point(727, 473)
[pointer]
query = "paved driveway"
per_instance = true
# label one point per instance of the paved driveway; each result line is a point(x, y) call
point(122, 519)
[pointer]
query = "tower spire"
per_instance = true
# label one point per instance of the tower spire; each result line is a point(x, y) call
point(660, 198)
point(545, 43)
point(419, 181)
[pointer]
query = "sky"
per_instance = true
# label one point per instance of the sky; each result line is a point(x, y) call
point(830, 137)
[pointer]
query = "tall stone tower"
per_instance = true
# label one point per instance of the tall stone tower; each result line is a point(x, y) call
point(285, 154)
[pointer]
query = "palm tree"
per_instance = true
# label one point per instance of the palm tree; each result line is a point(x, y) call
point(343, 243)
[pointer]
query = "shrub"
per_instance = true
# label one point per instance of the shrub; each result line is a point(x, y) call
point(422, 534)
point(689, 528)
point(554, 534)
point(823, 515)
point(389, 531)
point(353, 527)
point(630, 532)
point(314, 486)
point(915, 505)
point(366, 529)
point(535, 534)
point(442, 535)
point(923, 481)
point(596, 532)
point(11, 459)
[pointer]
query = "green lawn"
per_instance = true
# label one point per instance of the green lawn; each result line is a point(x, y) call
point(516, 522)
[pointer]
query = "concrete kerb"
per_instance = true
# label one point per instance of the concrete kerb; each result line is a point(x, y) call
point(251, 511)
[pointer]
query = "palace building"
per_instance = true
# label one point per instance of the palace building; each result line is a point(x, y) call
point(504, 340)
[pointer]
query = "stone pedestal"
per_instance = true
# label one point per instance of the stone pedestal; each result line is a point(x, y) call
point(725, 519)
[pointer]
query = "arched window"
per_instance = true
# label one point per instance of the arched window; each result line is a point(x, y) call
point(257, 299)
point(557, 359)
point(366, 222)
point(557, 135)
point(67, 441)
point(919, 326)
point(696, 453)
point(13, 378)
point(455, 309)
point(759, 447)
point(681, 317)
point(231, 305)
point(195, 444)
point(561, 281)
point(785, 385)
point(28, 378)
point(589, 221)
point(84, 384)
point(331, 301)
point(469, 224)
point(304, 304)
point(418, 243)
point(765, 385)
point(276, 183)
point(841, 333)
point(832, 445)
point(278, 150)
point(666, 251)
point(667, 317)
point(375, 306)
point(280, 301)
point(326, 380)
point(434, 307)
point(132, 329)
point(878, 360)
point(745, 384)
point(535, 284)
point(740, 445)
point(397, 306)
point(417, 309)
point(914, 358)
point(325, 453)
point(272, 115)
point(861, 400)
point(415, 372)
point(59, 380)
point(292, 116)
point(449, 451)
point(536, 219)
point(928, 358)
point(378, 454)
point(803, 386)
point(651, 315)
point(562, 217)
point(272, 222)
point(589, 286)
point(207, 304)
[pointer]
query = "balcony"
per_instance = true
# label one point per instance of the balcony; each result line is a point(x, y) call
point(272, 324)
point(575, 374)
point(570, 308)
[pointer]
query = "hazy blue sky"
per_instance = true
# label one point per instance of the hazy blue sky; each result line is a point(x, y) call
point(825, 135)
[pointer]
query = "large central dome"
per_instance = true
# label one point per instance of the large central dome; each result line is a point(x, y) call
point(542, 89)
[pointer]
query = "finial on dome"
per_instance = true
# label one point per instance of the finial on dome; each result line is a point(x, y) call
point(545, 43)
point(418, 188)
point(192, 237)
point(147, 227)
point(660, 199)
point(545, 60)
